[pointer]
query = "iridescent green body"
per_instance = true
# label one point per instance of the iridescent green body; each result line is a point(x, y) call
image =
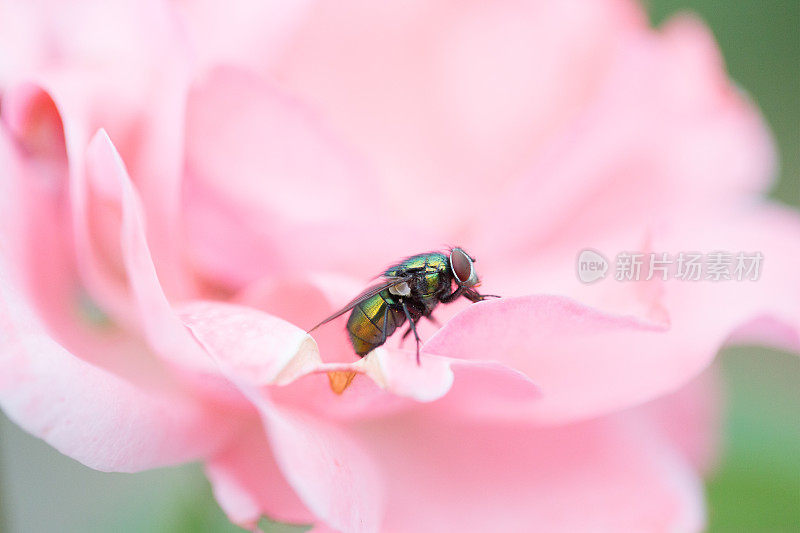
point(432, 276)
point(374, 319)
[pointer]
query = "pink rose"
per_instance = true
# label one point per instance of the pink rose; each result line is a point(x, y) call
point(186, 188)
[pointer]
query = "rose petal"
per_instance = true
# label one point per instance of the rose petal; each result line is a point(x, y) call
point(36, 239)
point(107, 173)
point(33, 216)
point(610, 474)
point(572, 352)
point(449, 98)
point(764, 310)
point(262, 133)
point(331, 473)
point(248, 36)
point(268, 189)
point(486, 390)
point(691, 418)
point(134, 87)
point(250, 346)
point(248, 483)
point(653, 146)
point(91, 414)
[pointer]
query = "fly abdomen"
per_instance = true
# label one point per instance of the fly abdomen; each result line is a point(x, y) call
point(372, 321)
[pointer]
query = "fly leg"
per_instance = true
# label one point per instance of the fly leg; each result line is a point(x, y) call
point(411, 327)
point(433, 320)
point(474, 296)
point(405, 334)
point(408, 331)
point(447, 298)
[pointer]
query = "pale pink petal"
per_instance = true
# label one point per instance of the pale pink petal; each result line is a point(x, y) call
point(248, 483)
point(32, 118)
point(87, 226)
point(140, 286)
point(487, 390)
point(610, 474)
point(665, 135)
point(451, 97)
point(389, 381)
point(691, 418)
point(585, 362)
point(268, 189)
point(133, 85)
point(36, 237)
point(766, 310)
point(17, 33)
point(306, 301)
point(248, 36)
point(36, 116)
point(250, 346)
point(398, 371)
point(261, 149)
point(767, 330)
point(763, 310)
point(91, 414)
point(333, 475)
point(34, 212)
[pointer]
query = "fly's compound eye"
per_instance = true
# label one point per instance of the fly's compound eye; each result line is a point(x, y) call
point(462, 267)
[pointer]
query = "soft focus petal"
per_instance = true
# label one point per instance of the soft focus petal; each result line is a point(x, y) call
point(34, 214)
point(610, 474)
point(248, 483)
point(91, 414)
point(691, 418)
point(36, 240)
point(248, 36)
point(667, 143)
point(331, 473)
point(108, 180)
point(268, 188)
point(450, 97)
point(764, 310)
point(665, 135)
point(265, 150)
point(133, 86)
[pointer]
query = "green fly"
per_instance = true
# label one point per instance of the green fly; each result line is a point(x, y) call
point(409, 291)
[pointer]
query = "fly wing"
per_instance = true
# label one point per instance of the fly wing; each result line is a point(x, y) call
point(368, 293)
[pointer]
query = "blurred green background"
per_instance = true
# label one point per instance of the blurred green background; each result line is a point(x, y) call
point(756, 486)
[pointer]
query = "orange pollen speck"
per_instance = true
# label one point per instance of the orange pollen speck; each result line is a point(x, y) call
point(341, 379)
